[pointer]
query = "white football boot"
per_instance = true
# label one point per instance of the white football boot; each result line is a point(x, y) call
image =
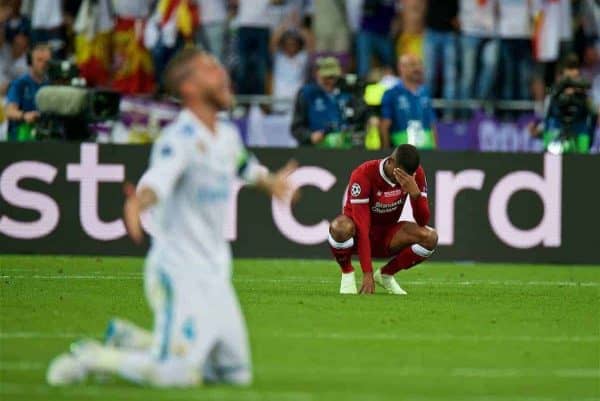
point(65, 369)
point(348, 284)
point(389, 283)
point(93, 355)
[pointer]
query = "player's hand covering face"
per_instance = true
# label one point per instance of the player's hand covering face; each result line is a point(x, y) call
point(406, 181)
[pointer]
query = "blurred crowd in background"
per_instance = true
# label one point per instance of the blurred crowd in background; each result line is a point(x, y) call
point(322, 56)
point(483, 49)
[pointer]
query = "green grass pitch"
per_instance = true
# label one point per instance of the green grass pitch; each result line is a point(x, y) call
point(464, 332)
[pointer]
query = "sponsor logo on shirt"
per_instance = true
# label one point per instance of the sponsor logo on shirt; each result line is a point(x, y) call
point(382, 208)
point(391, 194)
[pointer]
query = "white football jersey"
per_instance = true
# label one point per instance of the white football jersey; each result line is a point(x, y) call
point(192, 171)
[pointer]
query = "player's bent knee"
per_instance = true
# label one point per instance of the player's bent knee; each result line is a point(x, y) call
point(428, 238)
point(342, 228)
point(432, 240)
point(174, 372)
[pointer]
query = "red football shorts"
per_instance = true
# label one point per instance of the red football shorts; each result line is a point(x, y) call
point(381, 238)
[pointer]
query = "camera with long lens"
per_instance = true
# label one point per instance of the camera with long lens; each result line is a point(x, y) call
point(354, 111)
point(68, 109)
point(569, 106)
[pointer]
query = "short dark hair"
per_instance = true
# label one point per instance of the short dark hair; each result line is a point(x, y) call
point(180, 68)
point(569, 62)
point(407, 157)
point(293, 35)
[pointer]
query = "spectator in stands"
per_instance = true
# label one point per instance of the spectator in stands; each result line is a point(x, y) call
point(14, 43)
point(379, 81)
point(515, 29)
point(407, 114)
point(590, 23)
point(354, 15)
point(253, 45)
point(441, 46)
point(172, 25)
point(332, 30)
point(93, 27)
point(479, 46)
point(21, 110)
point(552, 40)
point(290, 64)
point(213, 26)
point(412, 17)
point(132, 64)
point(279, 11)
point(318, 110)
point(47, 24)
point(591, 71)
point(374, 37)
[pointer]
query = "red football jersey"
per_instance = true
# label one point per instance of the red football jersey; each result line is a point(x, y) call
point(373, 199)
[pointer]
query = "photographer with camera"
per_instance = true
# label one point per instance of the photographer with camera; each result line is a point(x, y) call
point(21, 110)
point(327, 113)
point(570, 119)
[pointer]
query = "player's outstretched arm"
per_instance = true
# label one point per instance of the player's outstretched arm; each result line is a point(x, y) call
point(278, 184)
point(135, 204)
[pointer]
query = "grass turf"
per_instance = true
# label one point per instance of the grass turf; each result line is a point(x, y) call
point(464, 332)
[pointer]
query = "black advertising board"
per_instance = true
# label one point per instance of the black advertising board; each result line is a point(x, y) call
point(66, 199)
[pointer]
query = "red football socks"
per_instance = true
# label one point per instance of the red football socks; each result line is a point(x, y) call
point(406, 259)
point(342, 252)
point(344, 258)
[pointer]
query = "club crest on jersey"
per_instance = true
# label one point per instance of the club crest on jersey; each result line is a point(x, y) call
point(355, 190)
point(166, 151)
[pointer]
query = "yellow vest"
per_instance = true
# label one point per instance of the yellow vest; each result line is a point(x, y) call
point(374, 94)
point(1, 111)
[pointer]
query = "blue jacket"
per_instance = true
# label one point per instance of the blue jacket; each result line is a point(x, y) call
point(317, 110)
point(400, 106)
point(22, 92)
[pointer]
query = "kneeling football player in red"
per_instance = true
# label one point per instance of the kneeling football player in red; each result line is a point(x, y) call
point(369, 226)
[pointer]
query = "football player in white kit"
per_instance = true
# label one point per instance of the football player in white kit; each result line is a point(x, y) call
point(199, 332)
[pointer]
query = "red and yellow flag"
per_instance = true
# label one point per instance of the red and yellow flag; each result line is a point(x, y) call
point(184, 12)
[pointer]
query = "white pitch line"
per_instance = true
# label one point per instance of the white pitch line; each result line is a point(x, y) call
point(70, 277)
point(442, 337)
point(21, 366)
point(350, 336)
point(133, 393)
point(464, 372)
point(241, 280)
point(589, 373)
point(40, 335)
